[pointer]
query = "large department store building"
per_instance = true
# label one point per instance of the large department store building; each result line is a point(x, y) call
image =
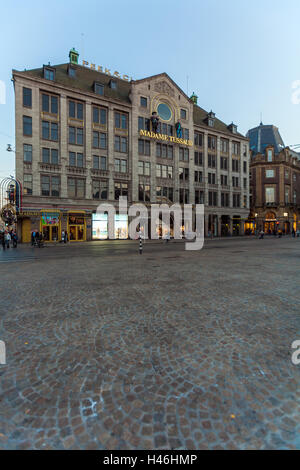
point(86, 135)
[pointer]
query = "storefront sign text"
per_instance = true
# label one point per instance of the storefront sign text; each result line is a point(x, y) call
point(167, 138)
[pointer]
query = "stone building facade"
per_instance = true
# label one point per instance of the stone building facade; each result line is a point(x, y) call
point(275, 190)
point(84, 136)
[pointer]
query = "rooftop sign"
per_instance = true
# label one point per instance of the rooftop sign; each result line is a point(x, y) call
point(168, 138)
point(101, 69)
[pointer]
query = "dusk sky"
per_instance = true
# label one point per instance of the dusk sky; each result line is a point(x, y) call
point(241, 57)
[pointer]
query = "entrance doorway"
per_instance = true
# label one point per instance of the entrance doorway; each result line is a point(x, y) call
point(26, 230)
point(76, 227)
point(50, 233)
point(76, 233)
point(50, 226)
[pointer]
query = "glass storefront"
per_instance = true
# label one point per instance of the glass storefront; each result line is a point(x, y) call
point(76, 227)
point(100, 226)
point(50, 223)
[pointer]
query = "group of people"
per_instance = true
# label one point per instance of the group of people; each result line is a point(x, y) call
point(36, 238)
point(7, 237)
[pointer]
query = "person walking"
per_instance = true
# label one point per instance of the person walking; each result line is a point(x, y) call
point(63, 236)
point(293, 233)
point(15, 239)
point(66, 237)
point(7, 239)
point(261, 234)
point(167, 236)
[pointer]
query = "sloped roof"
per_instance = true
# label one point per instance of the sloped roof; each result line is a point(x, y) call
point(84, 80)
point(200, 119)
point(264, 135)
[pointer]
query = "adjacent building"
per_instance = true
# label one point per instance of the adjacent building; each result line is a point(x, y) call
point(274, 182)
point(85, 135)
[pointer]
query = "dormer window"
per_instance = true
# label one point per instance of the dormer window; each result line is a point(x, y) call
point(113, 84)
point(99, 88)
point(269, 155)
point(49, 73)
point(211, 119)
point(71, 72)
point(233, 128)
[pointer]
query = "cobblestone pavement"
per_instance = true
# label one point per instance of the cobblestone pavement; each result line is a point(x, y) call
point(108, 349)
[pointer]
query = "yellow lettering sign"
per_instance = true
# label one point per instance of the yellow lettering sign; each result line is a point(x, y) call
point(176, 140)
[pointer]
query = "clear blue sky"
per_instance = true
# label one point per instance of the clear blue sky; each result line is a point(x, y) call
point(241, 56)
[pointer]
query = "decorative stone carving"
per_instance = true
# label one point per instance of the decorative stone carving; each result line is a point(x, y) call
point(164, 87)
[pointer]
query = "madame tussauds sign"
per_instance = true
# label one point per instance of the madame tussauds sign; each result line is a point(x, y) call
point(167, 138)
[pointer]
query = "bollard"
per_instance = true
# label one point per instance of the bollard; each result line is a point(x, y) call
point(141, 245)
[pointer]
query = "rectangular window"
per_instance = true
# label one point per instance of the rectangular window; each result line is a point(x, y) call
point(198, 157)
point(50, 130)
point(76, 135)
point(49, 74)
point(270, 155)
point(27, 125)
point(198, 176)
point(199, 197)
point(269, 173)
point(121, 121)
point(99, 189)
point(235, 148)
point(143, 124)
point(27, 153)
point(121, 189)
point(144, 168)
point(144, 192)
point(76, 187)
point(55, 186)
point(235, 165)
point(198, 139)
point(224, 146)
point(46, 155)
point(212, 142)
point(224, 163)
point(99, 89)
point(143, 102)
point(27, 186)
point(49, 103)
point(212, 160)
point(183, 174)
point(183, 114)
point(120, 165)
point(183, 154)
point(212, 198)
point(27, 97)
point(99, 115)
point(120, 144)
point(211, 178)
point(144, 147)
point(76, 110)
point(45, 185)
point(76, 159)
